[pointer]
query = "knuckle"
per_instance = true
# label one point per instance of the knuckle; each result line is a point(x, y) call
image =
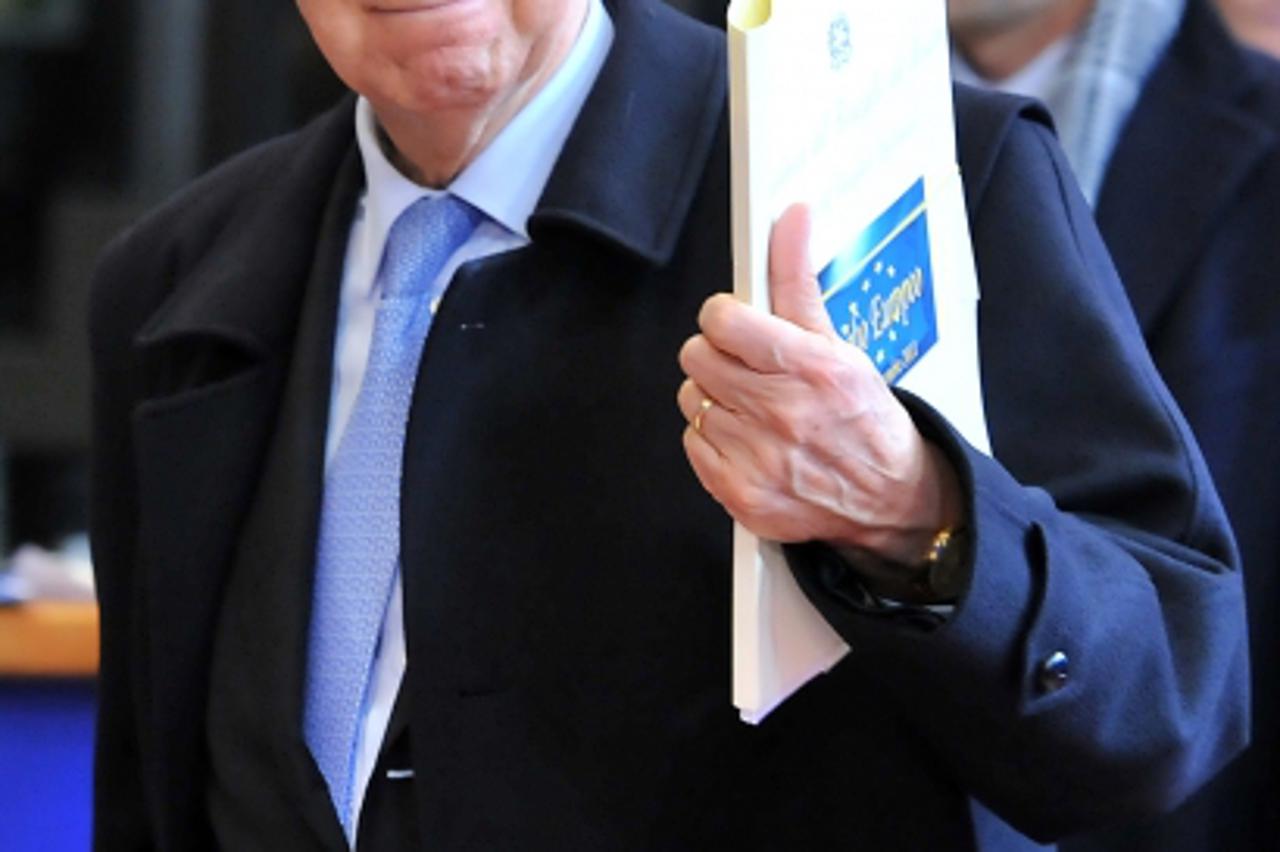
point(773, 461)
point(716, 317)
point(749, 502)
point(792, 419)
point(708, 313)
point(687, 356)
point(783, 358)
point(829, 374)
point(685, 393)
point(788, 423)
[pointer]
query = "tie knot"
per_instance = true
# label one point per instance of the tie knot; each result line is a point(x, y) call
point(422, 238)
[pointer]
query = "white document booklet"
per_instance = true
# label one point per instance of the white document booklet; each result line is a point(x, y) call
point(846, 105)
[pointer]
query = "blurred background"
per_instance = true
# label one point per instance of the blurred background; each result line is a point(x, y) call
point(105, 108)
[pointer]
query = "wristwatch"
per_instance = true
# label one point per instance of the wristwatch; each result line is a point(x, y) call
point(940, 575)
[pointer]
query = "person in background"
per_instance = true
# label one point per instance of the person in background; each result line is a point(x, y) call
point(1173, 129)
point(417, 437)
point(1255, 22)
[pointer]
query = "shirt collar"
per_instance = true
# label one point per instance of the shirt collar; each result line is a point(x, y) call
point(506, 179)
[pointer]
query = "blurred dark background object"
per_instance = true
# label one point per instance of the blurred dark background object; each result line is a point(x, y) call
point(105, 108)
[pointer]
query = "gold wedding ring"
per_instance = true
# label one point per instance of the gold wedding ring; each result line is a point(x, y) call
point(703, 408)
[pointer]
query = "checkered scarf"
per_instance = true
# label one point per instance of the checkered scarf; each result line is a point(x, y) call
point(1102, 76)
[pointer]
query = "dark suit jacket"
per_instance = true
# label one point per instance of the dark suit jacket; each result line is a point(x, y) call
point(566, 579)
point(1190, 209)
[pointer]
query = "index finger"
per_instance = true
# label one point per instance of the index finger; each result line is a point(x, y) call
point(765, 343)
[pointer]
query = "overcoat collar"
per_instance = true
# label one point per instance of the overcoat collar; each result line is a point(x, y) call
point(1196, 119)
point(243, 287)
point(631, 167)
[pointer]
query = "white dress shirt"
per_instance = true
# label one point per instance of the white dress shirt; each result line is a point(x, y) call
point(505, 182)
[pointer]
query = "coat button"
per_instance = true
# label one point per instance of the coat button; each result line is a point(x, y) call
point(1054, 672)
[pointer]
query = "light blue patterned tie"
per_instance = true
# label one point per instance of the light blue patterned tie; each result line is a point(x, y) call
point(358, 548)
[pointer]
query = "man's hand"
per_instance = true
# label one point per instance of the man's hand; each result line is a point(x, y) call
point(794, 431)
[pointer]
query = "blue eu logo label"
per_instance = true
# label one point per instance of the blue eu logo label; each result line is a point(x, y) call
point(879, 291)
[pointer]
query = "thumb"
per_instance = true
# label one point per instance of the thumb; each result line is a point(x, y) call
point(793, 287)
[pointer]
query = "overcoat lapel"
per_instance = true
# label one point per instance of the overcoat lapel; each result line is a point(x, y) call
point(215, 356)
point(1203, 83)
point(192, 500)
point(260, 655)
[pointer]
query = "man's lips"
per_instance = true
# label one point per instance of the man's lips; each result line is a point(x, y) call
point(414, 6)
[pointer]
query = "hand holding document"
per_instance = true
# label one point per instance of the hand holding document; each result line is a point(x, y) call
point(846, 105)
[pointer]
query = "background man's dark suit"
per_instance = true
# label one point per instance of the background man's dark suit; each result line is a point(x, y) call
point(1190, 209)
point(566, 580)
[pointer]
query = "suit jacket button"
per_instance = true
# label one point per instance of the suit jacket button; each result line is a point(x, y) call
point(1054, 672)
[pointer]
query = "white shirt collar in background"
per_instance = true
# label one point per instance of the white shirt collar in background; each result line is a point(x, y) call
point(1033, 81)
